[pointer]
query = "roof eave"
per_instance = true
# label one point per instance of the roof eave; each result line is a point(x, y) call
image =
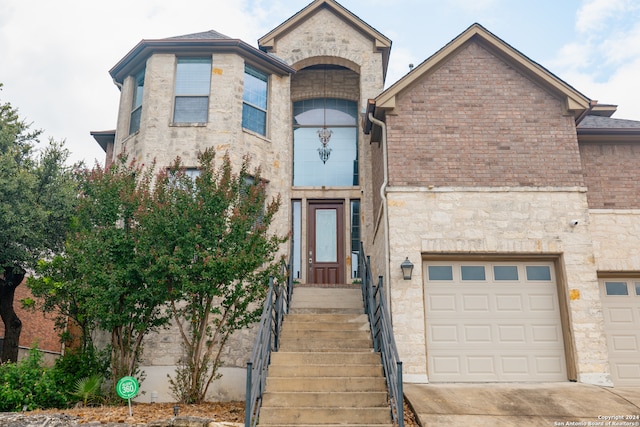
point(103, 138)
point(608, 135)
point(131, 61)
point(381, 42)
point(575, 103)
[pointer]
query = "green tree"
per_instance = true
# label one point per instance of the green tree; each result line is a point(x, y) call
point(37, 195)
point(212, 247)
point(107, 271)
point(99, 280)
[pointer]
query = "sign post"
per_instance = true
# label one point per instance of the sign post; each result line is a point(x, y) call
point(127, 388)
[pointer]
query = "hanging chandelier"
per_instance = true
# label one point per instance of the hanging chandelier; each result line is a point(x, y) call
point(324, 134)
point(324, 152)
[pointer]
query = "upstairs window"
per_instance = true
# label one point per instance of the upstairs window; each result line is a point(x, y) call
point(254, 101)
point(193, 85)
point(136, 107)
point(332, 164)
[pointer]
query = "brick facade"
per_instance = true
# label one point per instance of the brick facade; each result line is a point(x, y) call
point(37, 328)
point(476, 121)
point(612, 174)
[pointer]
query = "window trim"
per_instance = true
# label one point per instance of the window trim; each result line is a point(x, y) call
point(136, 108)
point(253, 71)
point(174, 122)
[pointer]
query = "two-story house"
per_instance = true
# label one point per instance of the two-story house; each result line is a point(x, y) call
point(513, 194)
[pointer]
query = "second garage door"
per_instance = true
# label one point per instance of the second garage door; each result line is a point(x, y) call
point(493, 322)
point(621, 308)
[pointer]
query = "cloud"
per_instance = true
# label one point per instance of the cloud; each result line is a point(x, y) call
point(603, 60)
point(621, 46)
point(594, 15)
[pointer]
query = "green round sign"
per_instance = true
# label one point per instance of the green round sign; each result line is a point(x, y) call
point(127, 387)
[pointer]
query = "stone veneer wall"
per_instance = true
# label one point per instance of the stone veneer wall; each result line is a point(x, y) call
point(325, 38)
point(495, 222)
point(158, 139)
point(615, 239)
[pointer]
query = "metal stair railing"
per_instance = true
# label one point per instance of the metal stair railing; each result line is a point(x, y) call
point(382, 332)
point(267, 340)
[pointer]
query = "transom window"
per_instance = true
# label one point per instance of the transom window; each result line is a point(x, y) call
point(334, 163)
point(622, 287)
point(254, 101)
point(497, 272)
point(136, 107)
point(193, 85)
point(616, 288)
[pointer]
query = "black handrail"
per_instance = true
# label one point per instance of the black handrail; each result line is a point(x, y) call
point(267, 340)
point(375, 306)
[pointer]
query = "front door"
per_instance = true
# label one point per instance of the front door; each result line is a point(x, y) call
point(326, 242)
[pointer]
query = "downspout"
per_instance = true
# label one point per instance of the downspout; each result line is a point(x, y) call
point(385, 214)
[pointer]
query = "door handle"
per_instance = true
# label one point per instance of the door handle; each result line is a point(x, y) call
point(310, 257)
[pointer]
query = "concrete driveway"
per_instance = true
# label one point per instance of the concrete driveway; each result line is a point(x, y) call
point(548, 404)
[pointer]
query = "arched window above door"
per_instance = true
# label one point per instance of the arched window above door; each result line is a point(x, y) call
point(325, 142)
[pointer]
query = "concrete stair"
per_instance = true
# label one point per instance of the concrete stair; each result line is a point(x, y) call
point(325, 373)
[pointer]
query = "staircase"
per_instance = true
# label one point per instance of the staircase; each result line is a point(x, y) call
point(325, 373)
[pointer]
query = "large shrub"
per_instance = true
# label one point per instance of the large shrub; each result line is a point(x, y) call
point(30, 385)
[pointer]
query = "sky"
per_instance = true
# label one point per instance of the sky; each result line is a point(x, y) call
point(55, 55)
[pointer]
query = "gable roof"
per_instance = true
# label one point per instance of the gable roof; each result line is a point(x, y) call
point(574, 102)
point(382, 43)
point(196, 43)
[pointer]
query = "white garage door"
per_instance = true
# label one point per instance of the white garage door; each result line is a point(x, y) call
point(493, 322)
point(621, 308)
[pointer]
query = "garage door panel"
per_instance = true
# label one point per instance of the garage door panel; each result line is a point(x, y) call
point(475, 303)
point(629, 372)
point(493, 368)
point(447, 366)
point(515, 365)
point(509, 303)
point(550, 365)
point(443, 334)
point(621, 309)
point(442, 303)
point(512, 333)
point(543, 303)
point(624, 343)
point(480, 365)
point(477, 334)
point(620, 316)
point(549, 333)
point(495, 330)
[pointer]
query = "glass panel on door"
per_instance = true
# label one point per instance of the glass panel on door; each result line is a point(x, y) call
point(326, 235)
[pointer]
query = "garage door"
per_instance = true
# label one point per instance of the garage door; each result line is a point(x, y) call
point(493, 322)
point(621, 308)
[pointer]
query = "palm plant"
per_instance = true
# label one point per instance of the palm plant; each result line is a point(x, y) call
point(88, 388)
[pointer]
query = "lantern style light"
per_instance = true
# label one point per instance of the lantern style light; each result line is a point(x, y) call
point(407, 269)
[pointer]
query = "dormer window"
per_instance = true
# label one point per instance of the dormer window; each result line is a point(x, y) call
point(193, 85)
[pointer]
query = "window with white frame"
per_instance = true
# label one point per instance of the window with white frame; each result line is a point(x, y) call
point(136, 105)
point(254, 101)
point(193, 85)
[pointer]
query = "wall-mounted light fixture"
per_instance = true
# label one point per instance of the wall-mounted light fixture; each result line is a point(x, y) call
point(407, 269)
